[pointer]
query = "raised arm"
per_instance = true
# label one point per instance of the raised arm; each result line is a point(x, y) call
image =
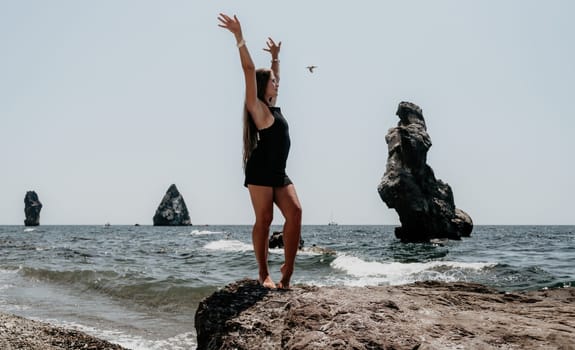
point(274, 50)
point(258, 110)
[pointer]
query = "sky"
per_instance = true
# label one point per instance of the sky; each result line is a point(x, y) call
point(104, 104)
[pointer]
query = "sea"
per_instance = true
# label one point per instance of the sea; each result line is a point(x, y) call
point(140, 286)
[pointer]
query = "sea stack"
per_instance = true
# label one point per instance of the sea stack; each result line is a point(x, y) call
point(425, 205)
point(32, 207)
point(172, 210)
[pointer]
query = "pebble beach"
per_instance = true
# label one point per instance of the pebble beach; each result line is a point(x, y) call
point(21, 333)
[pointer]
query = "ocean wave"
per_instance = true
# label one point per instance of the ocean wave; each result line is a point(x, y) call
point(29, 229)
point(238, 246)
point(8, 270)
point(280, 251)
point(181, 341)
point(9, 244)
point(7, 277)
point(166, 294)
point(305, 251)
point(70, 253)
point(230, 245)
point(396, 273)
point(67, 277)
point(206, 232)
point(163, 295)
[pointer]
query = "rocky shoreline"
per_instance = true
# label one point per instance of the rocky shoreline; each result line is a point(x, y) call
point(18, 333)
point(419, 316)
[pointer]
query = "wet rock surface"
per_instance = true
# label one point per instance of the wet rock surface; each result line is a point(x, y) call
point(423, 315)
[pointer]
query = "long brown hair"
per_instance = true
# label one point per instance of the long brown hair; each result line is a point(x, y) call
point(250, 131)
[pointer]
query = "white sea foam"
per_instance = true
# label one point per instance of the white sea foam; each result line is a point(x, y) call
point(205, 232)
point(300, 252)
point(7, 278)
point(308, 252)
point(9, 272)
point(396, 273)
point(237, 246)
point(230, 245)
point(184, 341)
point(276, 250)
point(29, 229)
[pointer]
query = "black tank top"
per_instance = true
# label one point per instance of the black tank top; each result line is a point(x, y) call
point(267, 162)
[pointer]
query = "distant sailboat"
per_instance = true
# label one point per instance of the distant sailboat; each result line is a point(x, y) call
point(332, 222)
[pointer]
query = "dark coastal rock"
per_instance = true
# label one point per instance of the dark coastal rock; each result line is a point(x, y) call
point(214, 312)
point(172, 211)
point(423, 315)
point(277, 240)
point(32, 208)
point(425, 205)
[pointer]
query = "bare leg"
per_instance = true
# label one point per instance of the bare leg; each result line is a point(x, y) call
point(262, 201)
point(288, 202)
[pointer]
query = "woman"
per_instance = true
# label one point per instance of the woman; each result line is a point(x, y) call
point(266, 148)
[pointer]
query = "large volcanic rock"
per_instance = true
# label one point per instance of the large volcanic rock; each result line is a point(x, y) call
point(172, 211)
point(32, 208)
point(424, 204)
point(423, 315)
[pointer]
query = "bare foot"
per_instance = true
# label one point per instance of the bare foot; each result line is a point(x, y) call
point(267, 282)
point(286, 276)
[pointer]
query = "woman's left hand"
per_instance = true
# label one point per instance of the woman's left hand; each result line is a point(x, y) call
point(273, 48)
point(231, 24)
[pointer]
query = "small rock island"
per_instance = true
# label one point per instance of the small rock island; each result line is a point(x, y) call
point(32, 208)
point(172, 211)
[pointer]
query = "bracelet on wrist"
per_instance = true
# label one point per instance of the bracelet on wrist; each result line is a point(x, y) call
point(241, 43)
point(276, 60)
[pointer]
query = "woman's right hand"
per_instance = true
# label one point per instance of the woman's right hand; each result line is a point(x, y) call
point(231, 24)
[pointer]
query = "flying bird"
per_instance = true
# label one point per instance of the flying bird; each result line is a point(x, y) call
point(311, 68)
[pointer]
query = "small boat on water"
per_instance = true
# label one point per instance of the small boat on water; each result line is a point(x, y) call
point(332, 222)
